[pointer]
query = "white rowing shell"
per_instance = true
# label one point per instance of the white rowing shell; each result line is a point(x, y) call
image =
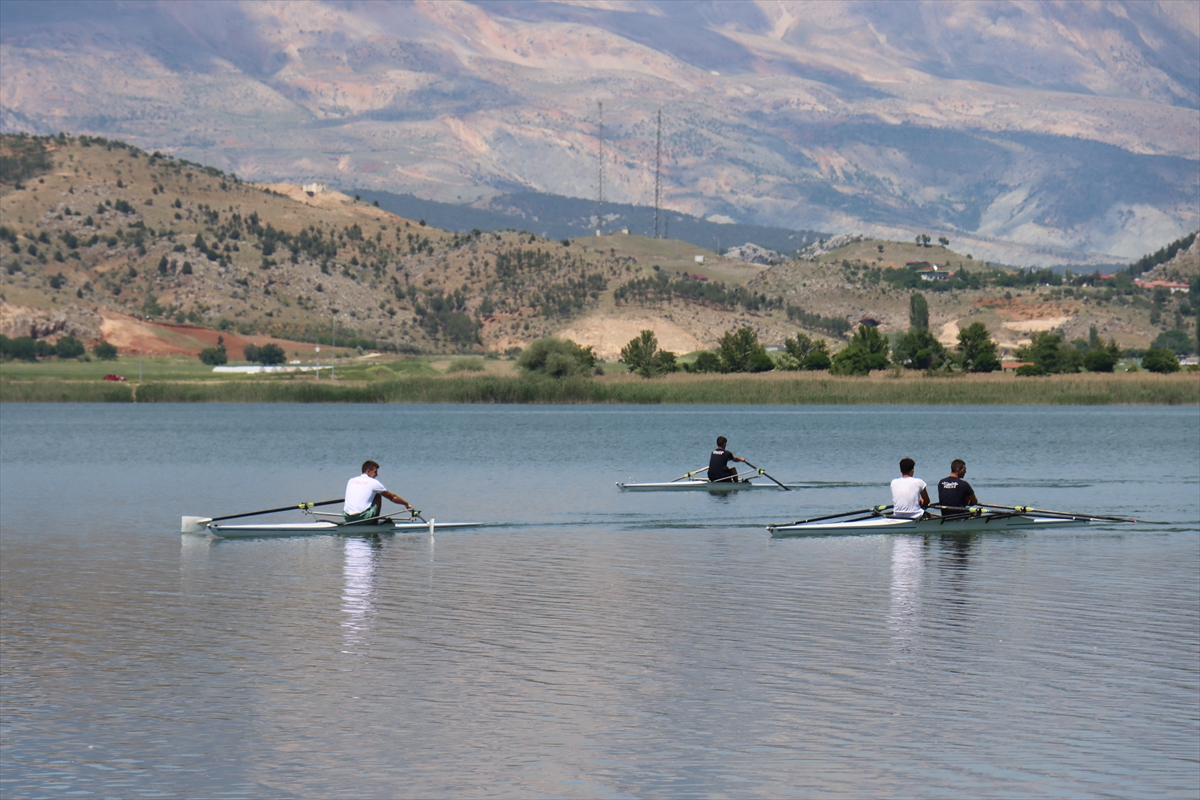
point(981, 524)
point(705, 486)
point(317, 528)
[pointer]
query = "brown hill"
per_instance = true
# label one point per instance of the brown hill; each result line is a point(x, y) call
point(96, 234)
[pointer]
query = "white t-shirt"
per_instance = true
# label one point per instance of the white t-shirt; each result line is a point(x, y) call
point(906, 497)
point(360, 493)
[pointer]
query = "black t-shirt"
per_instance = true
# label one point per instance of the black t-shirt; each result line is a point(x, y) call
point(718, 464)
point(954, 491)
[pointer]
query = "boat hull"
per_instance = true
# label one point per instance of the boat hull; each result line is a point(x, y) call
point(328, 528)
point(697, 486)
point(987, 523)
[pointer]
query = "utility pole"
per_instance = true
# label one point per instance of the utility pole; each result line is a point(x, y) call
point(600, 171)
point(658, 174)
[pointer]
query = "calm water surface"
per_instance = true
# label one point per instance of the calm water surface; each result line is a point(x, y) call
point(597, 644)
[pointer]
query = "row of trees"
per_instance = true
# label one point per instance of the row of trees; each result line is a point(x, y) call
point(26, 348)
point(268, 354)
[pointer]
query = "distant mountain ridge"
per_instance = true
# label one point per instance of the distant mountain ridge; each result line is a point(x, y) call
point(557, 217)
point(1031, 133)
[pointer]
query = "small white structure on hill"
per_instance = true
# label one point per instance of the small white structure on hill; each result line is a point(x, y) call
point(313, 188)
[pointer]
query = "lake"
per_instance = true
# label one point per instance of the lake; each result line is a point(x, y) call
point(595, 644)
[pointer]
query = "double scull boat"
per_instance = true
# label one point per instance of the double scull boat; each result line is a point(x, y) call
point(977, 519)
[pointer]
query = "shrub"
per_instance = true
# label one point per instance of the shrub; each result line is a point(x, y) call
point(705, 362)
point(22, 348)
point(557, 358)
point(214, 356)
point(852, 360)
point(817, 359)
point(466, 365)
point(69, 347)
point(1099, 361)
point(1160, 359)
point(1027, 370)
point(105, 351)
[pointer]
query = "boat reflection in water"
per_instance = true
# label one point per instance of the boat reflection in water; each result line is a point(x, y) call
point(360, 566)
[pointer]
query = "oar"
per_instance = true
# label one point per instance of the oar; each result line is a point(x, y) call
point(764, 474)
point(690, 474)
point(196, 524)
point(1028, 510)
point(874, 512)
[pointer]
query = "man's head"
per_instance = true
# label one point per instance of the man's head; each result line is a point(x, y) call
point(907, 465)
point(370, 467)
point(721, 440)
point(958, 467)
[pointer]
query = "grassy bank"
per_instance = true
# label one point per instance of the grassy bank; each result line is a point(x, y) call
point(775, 388)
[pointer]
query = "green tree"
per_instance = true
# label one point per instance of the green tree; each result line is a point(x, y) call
point(1099, 361)
point(1177, 341)
point(22, 348)
point(818, 359)
point(643, 357)
point(69, 347)
point(705, 362)
point(976, 350)
point(874, 343)
point(918, 312)
point(105, 351)
point(852, 360)
point(214, 356)
point(740, 351)
point(1048, 355)
point(557, 358)
point(1160, 359)
point(270, 354)
point(250, 352)
point(919, 349)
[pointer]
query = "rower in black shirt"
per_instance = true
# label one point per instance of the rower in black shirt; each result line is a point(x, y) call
point(954, 493)
point(718, 463)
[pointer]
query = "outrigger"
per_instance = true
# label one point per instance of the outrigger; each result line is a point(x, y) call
point(688, 481)
point(392, 523)
point(982, 518)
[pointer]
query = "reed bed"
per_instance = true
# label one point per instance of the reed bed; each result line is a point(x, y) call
point(886, 388)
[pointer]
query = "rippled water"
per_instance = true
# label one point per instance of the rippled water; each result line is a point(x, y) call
point(597, 644)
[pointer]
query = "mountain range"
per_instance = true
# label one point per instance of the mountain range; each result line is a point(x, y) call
point(1030, 133)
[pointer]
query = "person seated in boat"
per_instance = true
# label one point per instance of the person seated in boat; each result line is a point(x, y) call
point(364, 495)
point(954, 493)
point(909, 498)
point(718, 463)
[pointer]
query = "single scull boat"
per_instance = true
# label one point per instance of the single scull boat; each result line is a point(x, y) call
point(216, 526)
point(695, 485)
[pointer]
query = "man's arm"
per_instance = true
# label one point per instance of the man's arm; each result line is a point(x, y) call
point(395, 498)
point(924, 501)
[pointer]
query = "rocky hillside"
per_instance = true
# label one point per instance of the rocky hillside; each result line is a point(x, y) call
point(1031, 133)
point(96, 233)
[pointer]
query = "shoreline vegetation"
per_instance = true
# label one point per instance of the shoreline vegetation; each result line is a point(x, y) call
point(888, 387)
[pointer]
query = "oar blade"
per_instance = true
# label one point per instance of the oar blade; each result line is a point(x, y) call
point(194, 524)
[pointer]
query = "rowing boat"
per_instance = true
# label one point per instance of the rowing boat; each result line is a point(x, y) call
point(368, 528)
point(985, 523)
point(693, 485)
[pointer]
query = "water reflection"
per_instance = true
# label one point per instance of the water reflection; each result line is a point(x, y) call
point(360, 566)
point(904, 615)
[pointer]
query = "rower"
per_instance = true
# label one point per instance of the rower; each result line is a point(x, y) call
point(909, 498)
point(718, 463)
point(954, 493)
point(364, 496)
